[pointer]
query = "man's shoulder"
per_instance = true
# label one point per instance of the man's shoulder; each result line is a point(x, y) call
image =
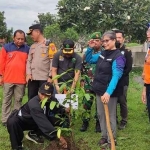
point(8, 45)
point(34, 45)
point(34, 102)
point(76, 55)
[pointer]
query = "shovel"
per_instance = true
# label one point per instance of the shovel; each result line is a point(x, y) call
point(109, 127)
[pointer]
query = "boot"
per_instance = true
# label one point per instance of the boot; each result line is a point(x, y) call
point(97, 126)
point(84, 126)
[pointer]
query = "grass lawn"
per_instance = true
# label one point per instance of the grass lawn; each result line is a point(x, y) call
point(136, 136)
point(132, 44)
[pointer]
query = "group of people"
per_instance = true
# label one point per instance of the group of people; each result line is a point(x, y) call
point(106, 61)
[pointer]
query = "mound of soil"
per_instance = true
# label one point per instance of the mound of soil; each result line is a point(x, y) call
point(54, 145)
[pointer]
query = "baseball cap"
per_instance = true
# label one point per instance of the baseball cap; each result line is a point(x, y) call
point(31, 28)
point(68, 46)
point(96, 35)
point(46, 88)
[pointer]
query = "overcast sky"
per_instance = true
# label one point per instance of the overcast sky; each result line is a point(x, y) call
point(20, 14)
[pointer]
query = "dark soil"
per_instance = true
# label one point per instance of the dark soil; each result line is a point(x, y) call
point(54, 145)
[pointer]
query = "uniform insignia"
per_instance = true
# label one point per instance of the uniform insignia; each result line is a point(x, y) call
point(61, 58)
point(122, 52)
point(67, 46)
point(46, 87)
point(97, 35)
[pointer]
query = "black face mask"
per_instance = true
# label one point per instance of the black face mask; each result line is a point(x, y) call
point(117, 44)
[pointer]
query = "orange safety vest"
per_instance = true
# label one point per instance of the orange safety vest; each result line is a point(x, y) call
point(146, 70)
point(52, 50)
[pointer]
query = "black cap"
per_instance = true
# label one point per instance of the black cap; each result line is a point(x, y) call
point(68, 46)
point(35, 26)
point(46, 88)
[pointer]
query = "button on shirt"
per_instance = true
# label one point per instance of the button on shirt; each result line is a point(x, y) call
point(39, 63)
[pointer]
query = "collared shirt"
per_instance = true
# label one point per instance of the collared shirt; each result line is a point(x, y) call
point(13, 63)
point(63, 64)
point(38, 62)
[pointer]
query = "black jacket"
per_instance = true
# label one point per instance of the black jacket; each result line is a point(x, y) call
point(32, 112)
point(128, 66)
point(103, 74)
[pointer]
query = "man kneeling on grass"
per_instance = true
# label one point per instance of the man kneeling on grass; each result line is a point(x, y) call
point(32, 116)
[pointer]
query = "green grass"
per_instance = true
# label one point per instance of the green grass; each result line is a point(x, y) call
point(132, 44)
point(135, 136)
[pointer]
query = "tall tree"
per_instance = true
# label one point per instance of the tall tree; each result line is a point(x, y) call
point(93, 15)
point(46, 19)
point(3, 27)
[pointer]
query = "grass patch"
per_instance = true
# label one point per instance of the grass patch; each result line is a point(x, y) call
point(135, 136)
point(132, 44)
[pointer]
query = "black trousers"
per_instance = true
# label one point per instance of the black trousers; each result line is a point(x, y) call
point(15, 126)
point(123, 105)
point(33, 87)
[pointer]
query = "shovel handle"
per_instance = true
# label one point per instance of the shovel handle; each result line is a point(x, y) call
point(109, 127)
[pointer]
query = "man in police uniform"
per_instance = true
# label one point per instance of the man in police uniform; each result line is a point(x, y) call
point(32, 116)
point(38, 63)
point(66, 59)
point(89, 66)
point(125, 77)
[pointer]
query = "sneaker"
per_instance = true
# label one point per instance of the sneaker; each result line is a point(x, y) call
point(107, 146)
point(34, 138)
point(122, 125)
point(102, 142)
point(97, 127)
point(84, 126)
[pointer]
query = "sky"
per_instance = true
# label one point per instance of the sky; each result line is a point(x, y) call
point(20, 14)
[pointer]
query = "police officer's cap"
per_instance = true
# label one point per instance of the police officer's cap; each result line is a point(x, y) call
point(68, 46)
point(96, 35)
point(46, 88)
point(33, 27)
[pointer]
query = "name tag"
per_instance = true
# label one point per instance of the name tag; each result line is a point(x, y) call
point(108, 59)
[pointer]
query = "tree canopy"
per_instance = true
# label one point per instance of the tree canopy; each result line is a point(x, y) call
point(98, 15)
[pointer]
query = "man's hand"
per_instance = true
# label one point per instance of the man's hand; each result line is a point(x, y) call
point(57, 89)
point(63, 142)
point(143, 75)
point(49, 80)
point(91, 43)
point(144, 95)
point(1, 80)
point(67, 110)
point(28, 77)
point(105, 98)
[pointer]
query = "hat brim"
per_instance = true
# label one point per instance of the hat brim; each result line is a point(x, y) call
point(29, 32)
point(43, 92)
point(68, 51)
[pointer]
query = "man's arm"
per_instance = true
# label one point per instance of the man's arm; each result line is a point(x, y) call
point(77, 68)
point(28, 66)
point(3, 55)
point(75, 79)
point(129, 61)
point(90, 57)
point(55, 65)
point(43, 123)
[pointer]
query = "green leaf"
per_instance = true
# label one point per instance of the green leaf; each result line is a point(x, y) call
point(56, 77)
point(43, 102)
point(52, 105)
point(87, 96)
point(59, 133)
